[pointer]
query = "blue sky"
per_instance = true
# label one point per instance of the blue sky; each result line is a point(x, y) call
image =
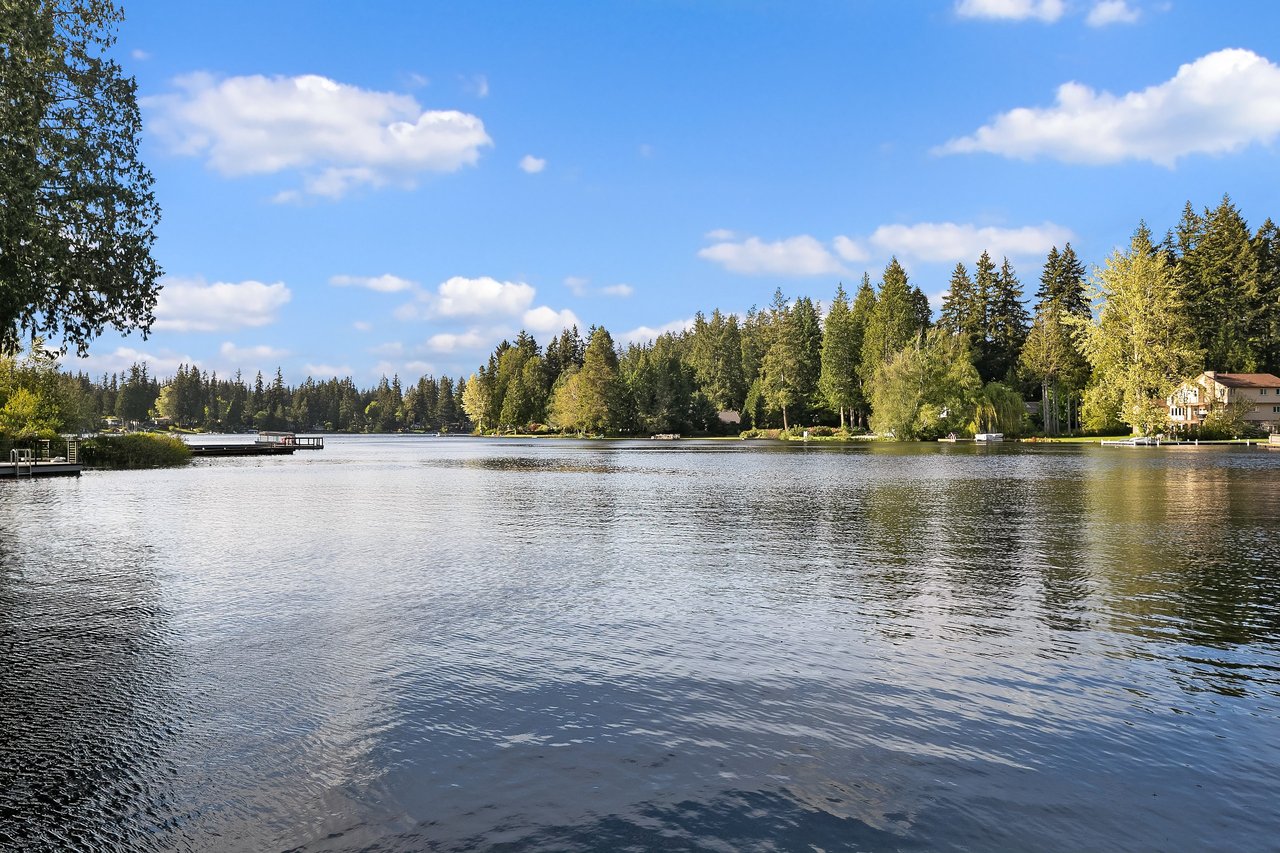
point(369, 189)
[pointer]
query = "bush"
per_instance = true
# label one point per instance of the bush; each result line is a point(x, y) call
point(136, 450)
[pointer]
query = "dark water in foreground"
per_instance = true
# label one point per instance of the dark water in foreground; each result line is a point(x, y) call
point(442, 644)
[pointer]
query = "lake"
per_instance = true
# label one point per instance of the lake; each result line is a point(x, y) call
point(412, 643)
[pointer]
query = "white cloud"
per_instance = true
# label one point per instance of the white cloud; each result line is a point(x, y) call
point(949, 241)
point(326, 371)
point(362, 326)
point(1011, 10)
point(337, 135)
point(474, 297)
point(850, 250)
point(421, 368)
point(477, 85)
point(139, 54)
point(645, 334)
point(385, 283)
point(577, 285)
point(620, 290)
point(447, 342)
point(255, 354)
point(190, 305)
point(164, 363)
point(1217, 104)
point(801, 255)
point(532, 165)
point(1107, 12)
point(721, 234)
point(549, 321)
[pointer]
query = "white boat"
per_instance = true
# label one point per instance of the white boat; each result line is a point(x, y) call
point(989, 436)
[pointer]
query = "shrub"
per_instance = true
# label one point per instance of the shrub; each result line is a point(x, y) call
point(136, 450)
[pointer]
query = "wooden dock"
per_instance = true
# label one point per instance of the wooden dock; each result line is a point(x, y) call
point(264, 444)
point(241, 449)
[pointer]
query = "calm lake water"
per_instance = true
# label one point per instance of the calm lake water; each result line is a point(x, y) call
point(409, 643)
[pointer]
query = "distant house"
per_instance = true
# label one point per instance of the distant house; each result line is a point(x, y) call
point(1197, 397)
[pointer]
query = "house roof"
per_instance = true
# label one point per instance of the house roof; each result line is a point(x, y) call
point(1247, 380)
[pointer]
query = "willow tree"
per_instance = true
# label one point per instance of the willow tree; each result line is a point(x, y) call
point(1139, 345)
point(77, 214)
point(927, 389)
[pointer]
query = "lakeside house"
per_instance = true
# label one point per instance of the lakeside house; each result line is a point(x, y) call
point(1258, 394)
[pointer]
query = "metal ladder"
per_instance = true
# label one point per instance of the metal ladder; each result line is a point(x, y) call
point(22, 457)
point(73, 451)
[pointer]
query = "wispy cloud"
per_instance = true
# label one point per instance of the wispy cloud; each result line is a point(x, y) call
point(250, 354)
point(1107, 12)
point(950, 241)
point(532, 165)
point(385, 283)
point(1217, 104)
point(646, 334)
point(321, 370)
point(1047, 11)
point(802, 255)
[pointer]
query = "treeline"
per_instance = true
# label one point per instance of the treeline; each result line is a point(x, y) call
point(194, 399)
point(37, 400)
point(1098, 354)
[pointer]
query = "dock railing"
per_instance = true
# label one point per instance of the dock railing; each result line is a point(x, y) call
point(302, 442)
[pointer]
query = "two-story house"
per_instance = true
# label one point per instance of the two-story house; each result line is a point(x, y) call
point(1257, 393)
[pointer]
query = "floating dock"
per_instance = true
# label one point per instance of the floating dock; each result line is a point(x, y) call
point(38, 468)
point(241, 449)
point(26, 462)
point(266, 444)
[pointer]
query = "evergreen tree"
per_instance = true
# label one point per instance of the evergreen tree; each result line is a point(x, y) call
point(1218, 274)
point(715, 354)
point(864, 306)
point(958, 306)
point(591, 398)
point(1265, 320)
point(1007, 323)
point(893, 323)
point(841, 352)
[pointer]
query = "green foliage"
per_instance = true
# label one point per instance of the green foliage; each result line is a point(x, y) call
point(591, 399)
point(1100, 410)
point(1139, 346)
point(715, 354)
point(1007, 323)
point(27, 415)
point(135, 450)
point(999, 408)
point(78, 215)
point(1218, 274)
point(927, 389)
point(894, 321)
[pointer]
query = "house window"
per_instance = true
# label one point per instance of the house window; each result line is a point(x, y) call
point(1262, 391)
point(1275, 408)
